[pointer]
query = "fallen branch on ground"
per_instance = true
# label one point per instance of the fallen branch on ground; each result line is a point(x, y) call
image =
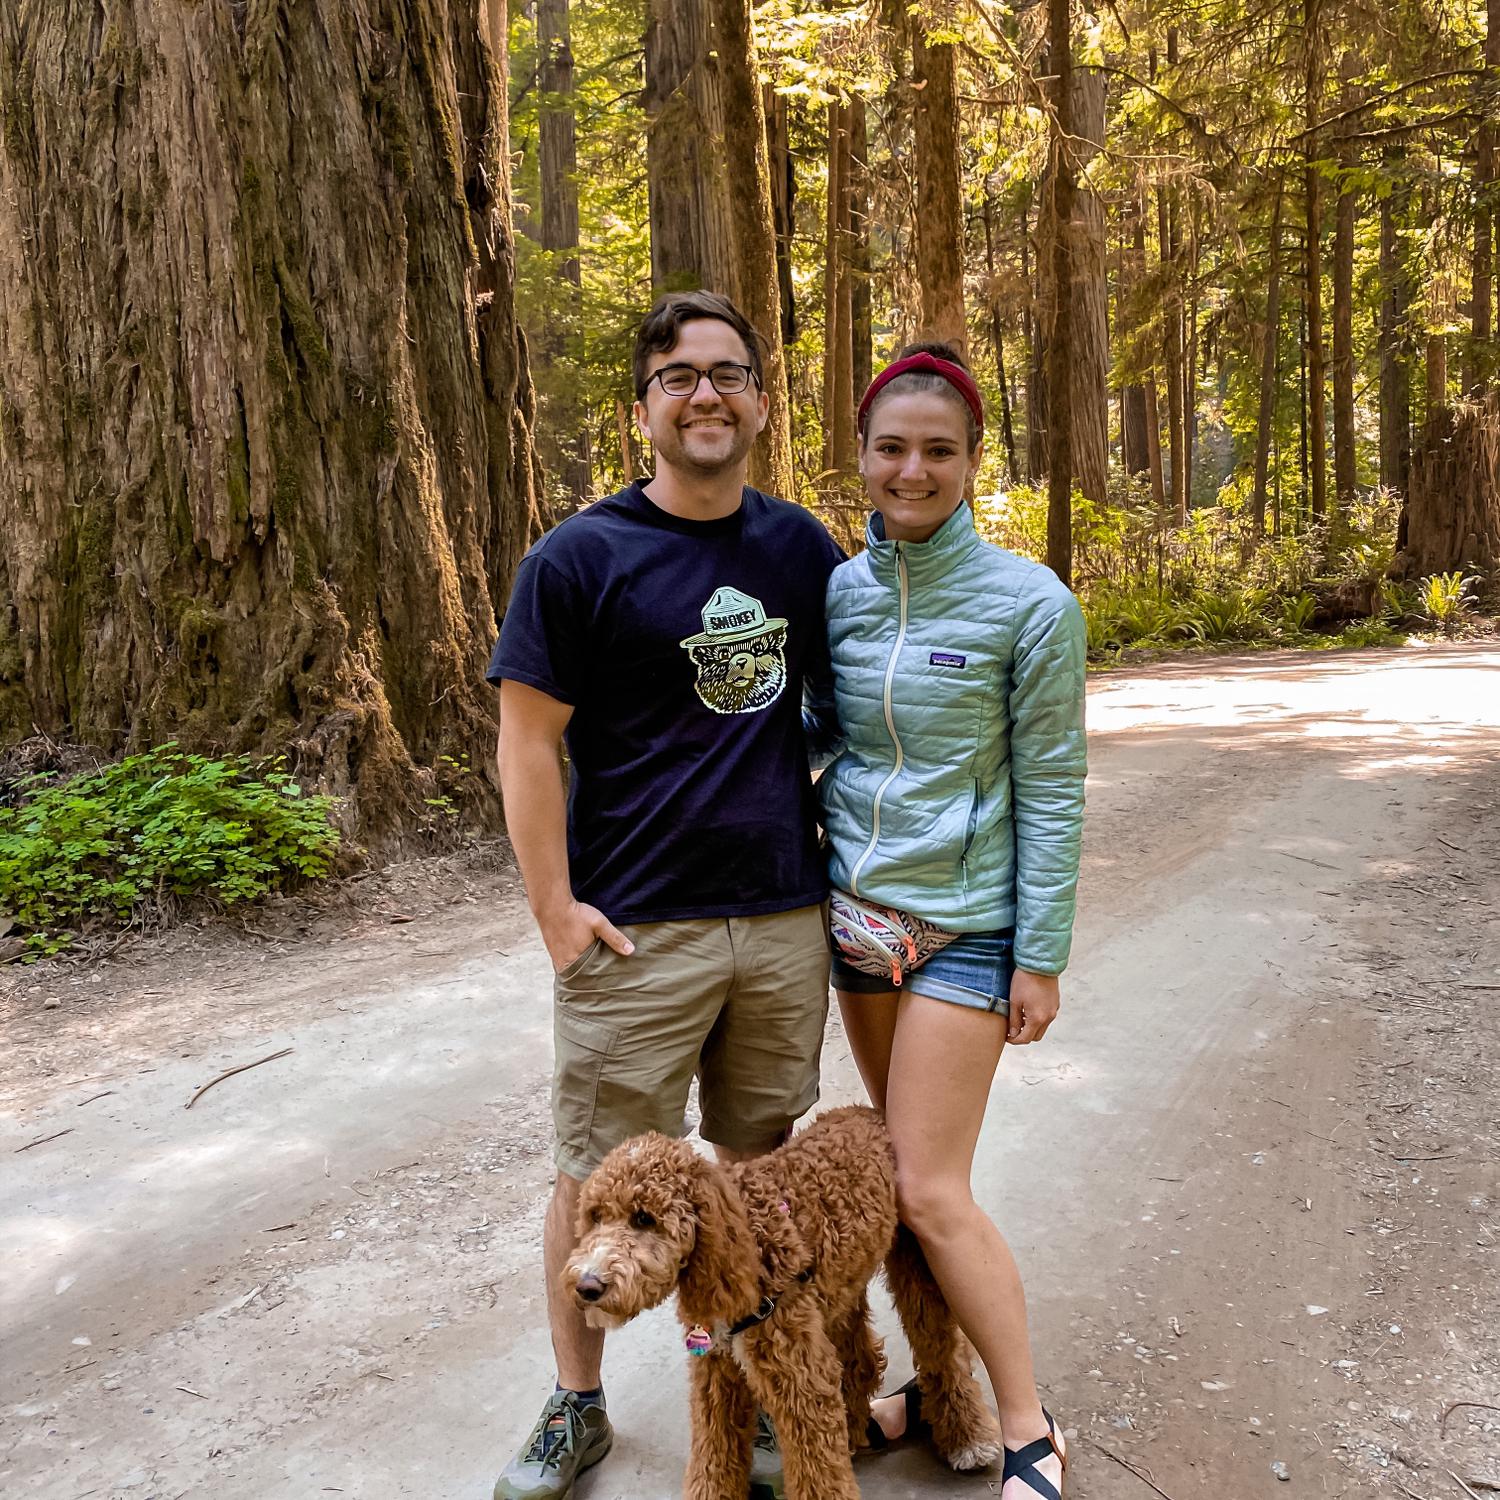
point(243, 1067)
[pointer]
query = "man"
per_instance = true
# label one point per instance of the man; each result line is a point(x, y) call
point(665, 633)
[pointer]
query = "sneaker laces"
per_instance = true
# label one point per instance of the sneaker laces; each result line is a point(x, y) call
point(557, 1434)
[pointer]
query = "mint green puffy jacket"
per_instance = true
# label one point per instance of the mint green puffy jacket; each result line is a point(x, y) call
point(958, 795)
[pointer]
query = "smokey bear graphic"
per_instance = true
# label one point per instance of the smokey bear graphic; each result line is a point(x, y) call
point(740, 654)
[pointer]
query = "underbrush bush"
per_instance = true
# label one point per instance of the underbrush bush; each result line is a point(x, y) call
point(111, 846)
point(1147, 583)
point(1445, 599)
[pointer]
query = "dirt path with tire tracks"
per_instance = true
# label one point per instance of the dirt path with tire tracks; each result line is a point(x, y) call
point(1250, 1176)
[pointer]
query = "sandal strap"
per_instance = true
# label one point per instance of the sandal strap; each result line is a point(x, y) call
point(875, 1435)
point(1021, 1463)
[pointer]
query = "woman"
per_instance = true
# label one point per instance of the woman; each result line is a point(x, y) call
point(954, 814)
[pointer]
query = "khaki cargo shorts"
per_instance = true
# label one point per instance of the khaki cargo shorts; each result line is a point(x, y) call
point(738, 1001)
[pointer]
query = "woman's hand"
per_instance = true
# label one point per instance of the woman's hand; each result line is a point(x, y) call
point(1034, 1000)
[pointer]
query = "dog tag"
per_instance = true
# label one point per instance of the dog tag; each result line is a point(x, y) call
point(698, 1341)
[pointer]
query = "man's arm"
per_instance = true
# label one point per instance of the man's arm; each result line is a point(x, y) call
point(531, 731)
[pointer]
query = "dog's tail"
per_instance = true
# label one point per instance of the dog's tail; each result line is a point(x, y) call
point(964, 1431)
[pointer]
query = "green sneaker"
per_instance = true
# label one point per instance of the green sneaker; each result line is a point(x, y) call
point(765, 1463)
point(568, 1438)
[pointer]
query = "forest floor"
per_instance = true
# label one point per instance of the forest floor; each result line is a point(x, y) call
point(1250, 1176)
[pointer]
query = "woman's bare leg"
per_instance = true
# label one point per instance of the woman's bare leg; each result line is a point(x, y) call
point(935, 1133)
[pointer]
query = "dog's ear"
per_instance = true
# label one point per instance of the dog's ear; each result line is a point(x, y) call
point(721, 1281)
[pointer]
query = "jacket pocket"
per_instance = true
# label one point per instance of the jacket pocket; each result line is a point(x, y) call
point(972, 827)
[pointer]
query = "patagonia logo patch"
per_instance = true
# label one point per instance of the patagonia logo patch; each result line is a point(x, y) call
point(947, 659)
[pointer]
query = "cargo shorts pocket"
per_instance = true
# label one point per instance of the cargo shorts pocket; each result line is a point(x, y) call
point(581, 1048)
point(574, 966)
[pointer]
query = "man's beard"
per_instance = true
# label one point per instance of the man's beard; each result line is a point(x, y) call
point(675, 452)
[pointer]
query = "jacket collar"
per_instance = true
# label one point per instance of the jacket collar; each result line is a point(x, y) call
point(924, 560)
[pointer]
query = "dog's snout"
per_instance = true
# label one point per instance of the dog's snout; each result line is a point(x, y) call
point(589, 1287)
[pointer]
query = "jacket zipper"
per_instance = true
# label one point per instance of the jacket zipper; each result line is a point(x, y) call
point(890, 722)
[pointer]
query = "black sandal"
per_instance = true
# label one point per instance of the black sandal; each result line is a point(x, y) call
point(915, 1425)
point(1021, 1463)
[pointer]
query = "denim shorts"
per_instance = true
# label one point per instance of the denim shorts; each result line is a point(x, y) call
point(973, 970)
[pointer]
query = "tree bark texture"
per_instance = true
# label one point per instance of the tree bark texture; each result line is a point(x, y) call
point(783, 173)
point(1169, 248)
point(744, 177)
point(1454, 502)
point(558, 164)
point(838, 306)
point(688, 230)
point(1270, 349)
point(1483, 362)
point(860, 300)
point(1342, 370)
point(1135, 444)
point(1395, 335)
point(1166, 234)
point(1087, 292)
point(940, 221)
point(712, 222)
point(997, 340)
point(1317, 399)
point(265, 455)
point(1061, 210)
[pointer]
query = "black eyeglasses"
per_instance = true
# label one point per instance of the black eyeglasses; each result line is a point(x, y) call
point(682, 380)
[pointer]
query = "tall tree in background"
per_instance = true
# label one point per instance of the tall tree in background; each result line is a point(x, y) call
point(1168, 236)
point(1312, 42)
point(559, 183)
point(1270, 350)
point(689, 232)
point(265, 451)
point(712, 221)
point(1346, 212)
point(1089, 293)
point(1059, 208)
point(939, 208)
point(1483, 361)
point(838, 301)
point(1394, 350)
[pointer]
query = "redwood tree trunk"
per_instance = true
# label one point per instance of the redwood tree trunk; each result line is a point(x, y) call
point(1317, 421)
point(1089, 434)
point(860, 301)
point(743, 178)
point(783, 202)
point(678, 169)
point(940, 223)
point(1345, 214)
point(1268, 383)
point(1395, 337)
point(709, 186)
point(838, 306)
point(1060, 330)
point(559, 189)
point(264, 408)
point(1454, 505)
point(1483, 362)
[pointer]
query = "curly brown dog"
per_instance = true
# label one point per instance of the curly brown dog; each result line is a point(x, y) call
point(771, 1259)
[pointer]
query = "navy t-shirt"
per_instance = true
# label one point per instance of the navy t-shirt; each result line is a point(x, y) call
point(682, 647)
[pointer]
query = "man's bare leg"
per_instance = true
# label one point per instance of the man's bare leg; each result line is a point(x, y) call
point(578, 1348)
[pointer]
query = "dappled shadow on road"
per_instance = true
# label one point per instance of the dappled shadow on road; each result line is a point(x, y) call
point(1343, 744)
point(1307, 666)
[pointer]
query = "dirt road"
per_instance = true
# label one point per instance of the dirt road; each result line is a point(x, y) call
point(1250, 1175)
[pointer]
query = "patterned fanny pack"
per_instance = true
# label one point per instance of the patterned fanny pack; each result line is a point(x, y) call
point(881, 940)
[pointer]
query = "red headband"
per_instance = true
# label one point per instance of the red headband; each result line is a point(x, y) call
point(927, 364)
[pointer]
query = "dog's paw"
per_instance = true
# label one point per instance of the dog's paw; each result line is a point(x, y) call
point(977, 1455)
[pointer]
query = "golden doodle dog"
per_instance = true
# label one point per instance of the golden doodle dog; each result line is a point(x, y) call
point(771, 1260)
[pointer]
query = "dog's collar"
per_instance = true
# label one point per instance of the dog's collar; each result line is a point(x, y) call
point(767, 1307)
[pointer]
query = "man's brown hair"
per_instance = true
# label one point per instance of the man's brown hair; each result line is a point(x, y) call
point(660, 328)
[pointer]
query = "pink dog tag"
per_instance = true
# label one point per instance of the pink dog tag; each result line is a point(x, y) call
point(698, 1341)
